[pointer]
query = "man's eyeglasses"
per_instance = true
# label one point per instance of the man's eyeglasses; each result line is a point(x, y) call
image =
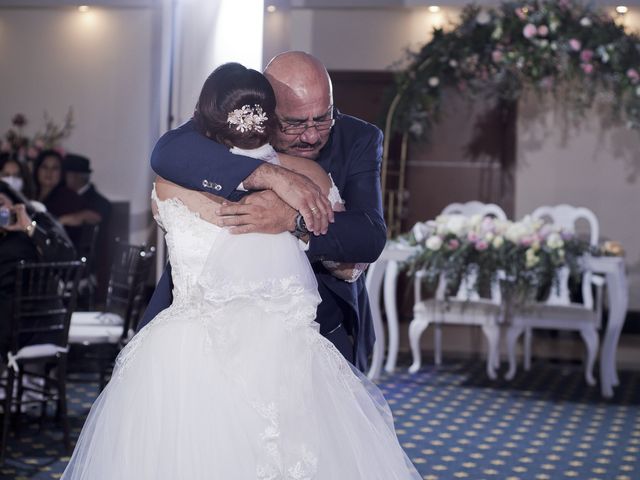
point(321, 124)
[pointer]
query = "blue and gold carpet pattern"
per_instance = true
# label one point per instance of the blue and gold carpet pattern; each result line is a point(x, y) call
point(453, 423)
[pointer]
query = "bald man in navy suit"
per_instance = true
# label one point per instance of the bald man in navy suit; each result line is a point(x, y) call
point(310, 126)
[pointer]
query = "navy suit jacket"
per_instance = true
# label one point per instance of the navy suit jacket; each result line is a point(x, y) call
point(353, 157)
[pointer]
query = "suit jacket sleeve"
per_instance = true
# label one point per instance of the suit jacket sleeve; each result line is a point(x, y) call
point(358, 234)
point(188, 158)
point(161, 298)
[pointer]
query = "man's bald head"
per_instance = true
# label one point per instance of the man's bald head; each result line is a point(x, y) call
point(304, 96)
point(299, 74)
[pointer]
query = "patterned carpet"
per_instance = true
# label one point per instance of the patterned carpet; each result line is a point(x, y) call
point(455, 423)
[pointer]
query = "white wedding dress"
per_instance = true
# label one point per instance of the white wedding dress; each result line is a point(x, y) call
point(234, 381)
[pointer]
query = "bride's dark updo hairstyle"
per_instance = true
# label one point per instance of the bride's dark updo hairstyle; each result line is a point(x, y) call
point(229, 87)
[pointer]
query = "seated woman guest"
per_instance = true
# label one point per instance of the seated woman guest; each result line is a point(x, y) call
point(62, 202)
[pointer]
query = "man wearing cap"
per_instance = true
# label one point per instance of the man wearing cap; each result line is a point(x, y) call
point(78, 178)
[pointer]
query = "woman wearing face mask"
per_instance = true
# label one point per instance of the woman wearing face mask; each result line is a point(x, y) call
point(16, 175)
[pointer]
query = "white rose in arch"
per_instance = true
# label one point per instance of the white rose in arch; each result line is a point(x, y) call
point(483, 17)
point(497, 241)
point(420, 231)
point(434, 243)
point(554, 240)
point(531, 258)
point(434, 82)
point(515, 232)
point(457, 224)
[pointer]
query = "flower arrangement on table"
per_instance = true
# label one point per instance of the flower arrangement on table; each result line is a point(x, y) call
point(564, 47)
point(528, 253)
point(24, 148)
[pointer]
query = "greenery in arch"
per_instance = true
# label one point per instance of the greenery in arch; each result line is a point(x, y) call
point(564, 47)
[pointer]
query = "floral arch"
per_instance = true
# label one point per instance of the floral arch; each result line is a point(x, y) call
point(565, 48)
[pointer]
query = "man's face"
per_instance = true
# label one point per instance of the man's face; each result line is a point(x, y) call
point(75, 180)
point(304, 122)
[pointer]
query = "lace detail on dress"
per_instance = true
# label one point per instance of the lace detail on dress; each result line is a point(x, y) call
point(220, 291)
point(334, 194)
point(274, 468)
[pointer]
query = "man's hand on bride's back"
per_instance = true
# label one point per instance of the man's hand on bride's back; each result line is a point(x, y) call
point(296, 190)
point(263, 212)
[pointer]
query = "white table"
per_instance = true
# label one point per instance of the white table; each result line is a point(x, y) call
point(383, 275)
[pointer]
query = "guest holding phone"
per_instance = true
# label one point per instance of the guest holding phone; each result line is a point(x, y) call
point(28, 235)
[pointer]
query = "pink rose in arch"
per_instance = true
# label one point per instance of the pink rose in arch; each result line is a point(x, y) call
point(529, 30)
point(481, 245)
point(521, 15)
point(543, 31)
point(586, 55)
point(497, 56)
point(453, 244)
point(587, 68)
point(472, 237)
point(526, 241)
point(575, 44)
point(633, 75)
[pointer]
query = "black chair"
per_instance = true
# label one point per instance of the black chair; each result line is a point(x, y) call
point(86, 247)
point(101, 334)
point(45, 296)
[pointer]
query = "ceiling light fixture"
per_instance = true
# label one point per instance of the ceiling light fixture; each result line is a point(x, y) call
point(434, 8)
point(622, 9)
point(83, 8)
point(271, 8)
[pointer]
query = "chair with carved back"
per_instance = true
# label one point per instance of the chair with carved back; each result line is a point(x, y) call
point(44, 299)
point(101, 334)
point(559, 311)
point(466, 307)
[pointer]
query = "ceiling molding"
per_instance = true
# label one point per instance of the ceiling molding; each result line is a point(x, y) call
point(70, 3)
point(351, 4)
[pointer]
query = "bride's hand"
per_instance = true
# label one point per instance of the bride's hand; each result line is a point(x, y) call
point(297, 191)
point(262, 212)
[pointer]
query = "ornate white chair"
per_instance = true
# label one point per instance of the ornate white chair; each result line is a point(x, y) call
point(475, 208)
point(558, 311)
point(465, 308)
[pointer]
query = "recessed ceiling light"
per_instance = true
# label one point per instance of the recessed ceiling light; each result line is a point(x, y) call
point(271, 8)
point(83, 8)
point(434, 8)
point(622, 9)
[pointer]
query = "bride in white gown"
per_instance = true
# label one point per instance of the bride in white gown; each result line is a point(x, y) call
point(234, 381)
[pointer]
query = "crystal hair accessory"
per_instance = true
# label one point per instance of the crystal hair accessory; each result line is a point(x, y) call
point(248, 119)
